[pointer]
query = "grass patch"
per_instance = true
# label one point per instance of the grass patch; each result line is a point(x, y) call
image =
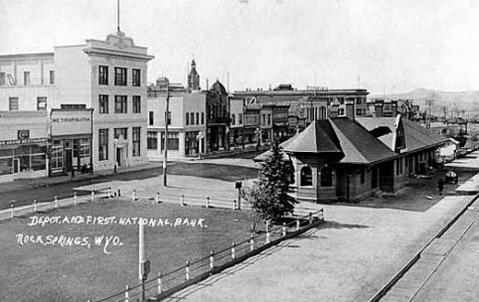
point(34, 272)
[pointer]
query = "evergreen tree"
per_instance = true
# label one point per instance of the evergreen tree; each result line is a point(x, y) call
point(269, 195)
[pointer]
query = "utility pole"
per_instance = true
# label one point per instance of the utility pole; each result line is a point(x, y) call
point(165, 158)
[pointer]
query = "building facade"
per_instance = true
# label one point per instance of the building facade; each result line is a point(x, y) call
point(23, 145)
point(108, 76)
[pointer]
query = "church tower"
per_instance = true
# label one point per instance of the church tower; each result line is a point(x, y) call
point(193, 78)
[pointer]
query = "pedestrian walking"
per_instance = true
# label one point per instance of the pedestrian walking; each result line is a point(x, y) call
point(90, 169)
point(440, 186)
point(73, 172)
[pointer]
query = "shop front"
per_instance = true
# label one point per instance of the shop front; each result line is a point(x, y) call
point(70, 141)
point(23, 145)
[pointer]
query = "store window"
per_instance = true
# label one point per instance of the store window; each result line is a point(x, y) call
point(152, 140)
point(306, 176)
point(240, 118)
point(173, 140)
point(103, 144)
point(26, 78)
point(233, 119)
point(52, 77)
point(56, 159)
point(136, 140)
point(192, 118)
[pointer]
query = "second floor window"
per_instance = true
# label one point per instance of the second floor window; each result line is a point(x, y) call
point(103, 103)
point(202, 118)
point(13, 104)
point(41, 103)
point(151, 118)
point(136, 77)
point(2, 78)
point(187, 118)
point(52, 77)
point(103, 75)
point(136, 104)
point(26, 78)
point(197, 118)
point(192, 118)
point(120, 104)
point(233, 119)
point(120, 76)
point(240, 118)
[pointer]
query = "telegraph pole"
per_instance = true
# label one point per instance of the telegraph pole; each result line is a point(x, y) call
point(165, 158)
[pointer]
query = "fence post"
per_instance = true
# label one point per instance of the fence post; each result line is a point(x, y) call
point(109, 192)
point(119, 193)
point(11, 210)
point(207, 201)
point(321, 215)
point(159, 282)
point(56, 201)
point(187, 270)
point(310, 218)
point(212, 260)
point(92, 198)
point(284, 229)
point(34, 205)
point(157, 197)
point(268, 234)
point(75, 198)
point(127, 294)
point(233, 250)
point(297, 224)
point(251, 242)
point(182, 200)
point(234, 204)
point(133, 195)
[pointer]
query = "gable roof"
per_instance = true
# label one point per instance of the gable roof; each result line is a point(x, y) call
point(419, 137)
point(357, 144)
point(375, 124)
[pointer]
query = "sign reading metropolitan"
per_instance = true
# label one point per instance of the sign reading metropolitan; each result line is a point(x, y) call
point(70, 122)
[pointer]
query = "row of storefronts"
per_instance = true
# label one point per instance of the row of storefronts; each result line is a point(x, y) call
point(37, 144)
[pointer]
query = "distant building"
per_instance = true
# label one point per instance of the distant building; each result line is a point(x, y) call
point(193, 78)
point(218, 118)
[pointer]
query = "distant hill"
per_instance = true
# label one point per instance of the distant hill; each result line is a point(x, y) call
point(455, 101)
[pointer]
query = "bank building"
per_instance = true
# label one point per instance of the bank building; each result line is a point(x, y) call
point(77, 106)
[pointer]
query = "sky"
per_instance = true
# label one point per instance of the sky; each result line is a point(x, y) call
point(384, 46)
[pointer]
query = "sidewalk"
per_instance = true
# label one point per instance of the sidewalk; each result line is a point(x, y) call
point(21, 184)
point(347, 259)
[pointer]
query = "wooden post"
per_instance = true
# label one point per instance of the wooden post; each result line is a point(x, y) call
point(268, 234)
point(297, 224)
point(187, 270)
point(133, 195)
point(321, 215)
point(160, 275)
point(75, 198)
point(234, 204)
point(233, 250)
point(109, 192)
point(35, 205)
point(251, 242)
point(207, 201)
point(182, 200)
point(11, 210)
point(92, 196)
point(284, 229)
point(127, 293)
point(141, 249)
point(310, 218)
point(212, 260)
point(157, 197)
point(56, 202)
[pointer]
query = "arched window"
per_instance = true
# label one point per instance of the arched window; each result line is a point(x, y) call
point(306, 176)
point(326, 176)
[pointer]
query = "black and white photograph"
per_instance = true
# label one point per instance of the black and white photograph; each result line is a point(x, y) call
point(239, 150)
